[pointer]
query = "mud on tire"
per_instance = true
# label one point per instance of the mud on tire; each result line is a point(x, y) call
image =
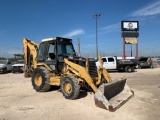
point(40, 79)
point(70, 87)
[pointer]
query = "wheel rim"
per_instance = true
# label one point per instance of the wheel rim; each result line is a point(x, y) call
point(38, 79)
point(67, 87)
point(129, 69)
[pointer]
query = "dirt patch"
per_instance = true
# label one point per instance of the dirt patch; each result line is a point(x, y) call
point(19, 101)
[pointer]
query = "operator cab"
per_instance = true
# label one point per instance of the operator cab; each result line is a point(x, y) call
point(52, 51)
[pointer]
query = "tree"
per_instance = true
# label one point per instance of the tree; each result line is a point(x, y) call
point(19, 56)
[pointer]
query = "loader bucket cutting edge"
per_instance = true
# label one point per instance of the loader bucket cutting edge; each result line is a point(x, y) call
point(113, 95)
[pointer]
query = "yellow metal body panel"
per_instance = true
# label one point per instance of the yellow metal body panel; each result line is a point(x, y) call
point(55, 80)
point(81, 72)
point(45, 65)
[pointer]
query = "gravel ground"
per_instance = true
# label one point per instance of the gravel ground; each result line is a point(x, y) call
point(19, 101)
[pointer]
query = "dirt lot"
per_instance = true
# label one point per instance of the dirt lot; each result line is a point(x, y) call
point(18, 100)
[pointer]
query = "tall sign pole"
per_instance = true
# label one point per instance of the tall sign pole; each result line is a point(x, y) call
point(124, 49)
point(137, 49)
point(130, 34)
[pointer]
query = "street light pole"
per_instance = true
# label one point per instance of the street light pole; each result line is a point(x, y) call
point(97, 15)
point(79, 53)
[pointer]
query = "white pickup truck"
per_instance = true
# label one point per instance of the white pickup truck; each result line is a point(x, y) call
point(112, 63)
point(5, 66)
point(18, 67)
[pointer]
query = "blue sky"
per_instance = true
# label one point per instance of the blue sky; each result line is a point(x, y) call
point(39, 19)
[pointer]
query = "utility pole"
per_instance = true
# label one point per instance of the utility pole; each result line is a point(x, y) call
point(96, 16)
point(79, 53)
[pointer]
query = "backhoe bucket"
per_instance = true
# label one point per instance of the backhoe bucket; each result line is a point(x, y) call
point(113, 95)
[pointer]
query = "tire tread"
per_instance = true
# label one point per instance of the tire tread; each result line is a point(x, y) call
point(45, 82)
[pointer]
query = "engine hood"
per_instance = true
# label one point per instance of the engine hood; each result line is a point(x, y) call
point(76, 58)
point(18, 65)
point(2, 65)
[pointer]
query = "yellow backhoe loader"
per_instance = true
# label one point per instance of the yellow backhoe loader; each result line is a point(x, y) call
point(54, 62)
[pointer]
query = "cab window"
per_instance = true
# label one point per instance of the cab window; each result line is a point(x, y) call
point(104, 59)
point(110, 60)
point(65, 47)
point(41, 53)
point(9, 62)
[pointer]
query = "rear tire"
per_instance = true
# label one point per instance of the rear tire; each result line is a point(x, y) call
point(128, 69)
point(132, 69)
point(70, 87)
point(40, 79)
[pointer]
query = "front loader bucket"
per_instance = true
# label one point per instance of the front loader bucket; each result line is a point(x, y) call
point(113, 95)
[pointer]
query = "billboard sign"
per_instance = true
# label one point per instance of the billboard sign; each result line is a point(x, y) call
point(130, 34)
point(130, 40)
point(130, 25)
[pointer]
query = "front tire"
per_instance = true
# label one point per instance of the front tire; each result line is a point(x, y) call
point(40, 79)
point(70, 87)
point(4, 70)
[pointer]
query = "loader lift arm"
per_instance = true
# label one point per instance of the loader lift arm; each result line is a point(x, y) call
point(82, 73)
point(110, 95)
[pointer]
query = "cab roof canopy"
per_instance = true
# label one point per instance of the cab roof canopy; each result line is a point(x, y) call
point(54, 38)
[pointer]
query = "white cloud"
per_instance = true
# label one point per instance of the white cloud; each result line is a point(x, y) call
point(152, 9)
point(107, 29)
point(74, 33)
point(112, 27)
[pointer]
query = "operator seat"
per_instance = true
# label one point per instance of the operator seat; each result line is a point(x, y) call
point(52, 56)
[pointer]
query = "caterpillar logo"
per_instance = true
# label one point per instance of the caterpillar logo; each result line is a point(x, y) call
point(130, 25)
